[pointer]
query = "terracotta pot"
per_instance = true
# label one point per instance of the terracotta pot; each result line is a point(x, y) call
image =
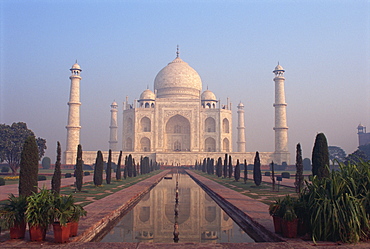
point(302, 227)
point(73, 226)
point(18, 231)
point(290, 228)
point(277, 223)
point(37, 233)
point(61, 233)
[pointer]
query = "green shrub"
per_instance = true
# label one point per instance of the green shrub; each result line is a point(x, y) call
point(41, 178)
point(285, 175)
point(339, 204)
point(86, 173)
point(46, 162)
point(68, 175)
point(267, 173)
point(5, 169)
point(2, 181)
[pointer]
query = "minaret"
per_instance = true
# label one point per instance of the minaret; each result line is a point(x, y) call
point(73, 126)
point(241, 128)
point(113, 137)
point(281, 128)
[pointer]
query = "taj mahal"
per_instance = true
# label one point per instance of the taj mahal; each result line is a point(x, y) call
point(177, 123)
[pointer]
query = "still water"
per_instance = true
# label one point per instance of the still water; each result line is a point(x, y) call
point(177, 209)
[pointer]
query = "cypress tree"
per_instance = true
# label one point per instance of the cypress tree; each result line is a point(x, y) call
point(245, 171)
point(118, 170)
point(237, 171)
point(78, 170)
point(230, 167)
point(204, 165)
point(125, 168)
point(108, 170)
point(257, 175)
point(225, 166)
point(29, 167)
point(299, 168)
point(98, 170)
point(320, 157)
point(141, 165)
point(273, 175)
point(56, 180)
point(208, 166)
point(219, 167)
point(129, 166)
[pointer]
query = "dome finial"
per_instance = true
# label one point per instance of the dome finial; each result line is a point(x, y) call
point(177, 51)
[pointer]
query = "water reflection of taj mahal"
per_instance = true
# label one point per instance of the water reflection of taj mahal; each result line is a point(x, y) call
point(200, 219)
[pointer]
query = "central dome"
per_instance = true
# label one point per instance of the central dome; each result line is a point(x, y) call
point(178, 80)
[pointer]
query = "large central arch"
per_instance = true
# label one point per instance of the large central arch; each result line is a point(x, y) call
point(177, 136)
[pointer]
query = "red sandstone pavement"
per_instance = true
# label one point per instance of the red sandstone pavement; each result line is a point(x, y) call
point(5, 190)
point(106, 209)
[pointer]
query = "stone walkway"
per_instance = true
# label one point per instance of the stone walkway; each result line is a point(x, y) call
point(103, 210)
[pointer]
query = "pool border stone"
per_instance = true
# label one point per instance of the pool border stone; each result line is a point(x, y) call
point(251, 215)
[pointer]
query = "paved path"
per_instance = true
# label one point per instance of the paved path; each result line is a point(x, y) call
point(5, 190)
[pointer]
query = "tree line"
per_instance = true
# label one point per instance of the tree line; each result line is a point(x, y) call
point(224, 168)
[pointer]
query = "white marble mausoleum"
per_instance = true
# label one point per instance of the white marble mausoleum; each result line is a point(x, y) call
point(177, 123)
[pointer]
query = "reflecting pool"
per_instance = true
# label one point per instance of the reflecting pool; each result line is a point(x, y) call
point(177, 209)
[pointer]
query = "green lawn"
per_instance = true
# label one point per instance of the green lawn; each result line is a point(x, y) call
point(263, 193)
point(47, 172)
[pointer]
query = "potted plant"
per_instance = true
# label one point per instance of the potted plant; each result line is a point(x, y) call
point(39, 213)
point(289, 224)
point(12, 214)
point(63, 211)
point(302, 211)
point(77, 212)
point(275, 210)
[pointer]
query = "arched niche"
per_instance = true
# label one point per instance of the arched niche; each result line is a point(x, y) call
point(210, 144)
point(177, 135)
point(145, 144)
point(225, 125)
point(210, 125)
point(128, 144)
point(145, 124)
point(226, 145)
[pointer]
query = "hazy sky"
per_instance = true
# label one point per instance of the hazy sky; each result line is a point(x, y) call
point(324, 46)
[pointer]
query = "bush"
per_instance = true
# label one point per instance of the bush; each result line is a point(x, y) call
point(46, 162)
point(5, 169)
point(267, 173)
point(86, 173)
point(2, 181)
point(41, 178)
point(285, 175)
point(68, 175)
point(87, 167)
point(339, 204)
